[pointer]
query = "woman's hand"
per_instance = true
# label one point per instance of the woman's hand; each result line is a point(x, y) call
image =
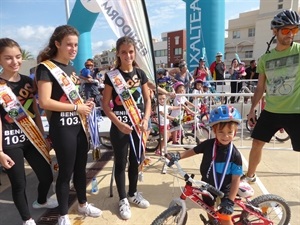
point(85, 109)
point(6, 161)
point(144, 125)
point(125, 128)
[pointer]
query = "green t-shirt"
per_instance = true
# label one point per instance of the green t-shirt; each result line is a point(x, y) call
point(282, 70)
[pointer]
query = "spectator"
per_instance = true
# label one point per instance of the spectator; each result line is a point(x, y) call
point(184, 76)
point(237, 71)
point(201, 71)
point(217, 69)
point(251, 71)
point(90, 82)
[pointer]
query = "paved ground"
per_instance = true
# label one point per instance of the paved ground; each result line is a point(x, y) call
point(279, 174)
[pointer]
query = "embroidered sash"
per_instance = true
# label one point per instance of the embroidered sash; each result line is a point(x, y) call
point(20, 116)
point(128, 102)
point(69, 89)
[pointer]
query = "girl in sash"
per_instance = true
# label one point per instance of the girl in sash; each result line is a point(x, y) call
point(66, 129)
point(122, 132)
point(221, 164)
point(14, 145)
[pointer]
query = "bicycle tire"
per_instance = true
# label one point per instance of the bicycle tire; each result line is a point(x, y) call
point(202, 133)
point(268, 204)
point(153, 138)
point(189, 139)
point(105, 141)
point(170, 216)
point(248, 127)
point(281, 135)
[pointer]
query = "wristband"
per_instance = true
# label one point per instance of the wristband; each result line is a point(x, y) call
point(75, 108)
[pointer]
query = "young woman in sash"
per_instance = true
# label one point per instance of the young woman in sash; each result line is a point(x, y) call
point(122, 132)
point(14, 145)
point(66, 129)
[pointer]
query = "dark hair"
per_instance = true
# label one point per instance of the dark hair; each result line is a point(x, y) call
point(7, 42)
point(124, 40)
point(234, 60)
point(252, 61)
point(59, 33)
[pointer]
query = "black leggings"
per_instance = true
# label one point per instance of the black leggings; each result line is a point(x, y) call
point(71, 148)
point(17, 177)
point(120, 143)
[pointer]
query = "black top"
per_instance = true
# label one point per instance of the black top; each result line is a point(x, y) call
point(12, 136)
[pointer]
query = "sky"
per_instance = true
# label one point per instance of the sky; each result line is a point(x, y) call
point(31, 22)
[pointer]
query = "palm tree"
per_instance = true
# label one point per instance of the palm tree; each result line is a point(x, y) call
point(26, 55)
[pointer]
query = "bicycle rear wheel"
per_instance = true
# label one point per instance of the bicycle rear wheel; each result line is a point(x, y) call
point(281, 135)
point(272, 207)
point(170, 216)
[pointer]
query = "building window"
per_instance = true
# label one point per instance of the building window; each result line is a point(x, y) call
point(280, 6)
point(251, 32)
point(280, 0)
point(236, 34)
point(176, 40)
point(177, 51)
point(164, 39)
point(160, 53)
point(248, 54)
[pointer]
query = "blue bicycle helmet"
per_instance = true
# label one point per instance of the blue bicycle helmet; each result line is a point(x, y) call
point(284, 18)
point(206, 84)
point(224, 113)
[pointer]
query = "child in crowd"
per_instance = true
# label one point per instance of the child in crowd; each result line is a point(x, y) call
point(183, 102)
point(221, 164)
point(164, 120)
point(197, 90)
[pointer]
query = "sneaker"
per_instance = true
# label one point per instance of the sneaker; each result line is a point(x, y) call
point(124, 209)
point(249, 179)
point(139, 200)
point(64, 220)
point(50, 204)
point(89, 210)
point(29, 222)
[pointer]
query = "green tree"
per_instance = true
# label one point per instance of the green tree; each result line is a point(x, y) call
point(26, 55)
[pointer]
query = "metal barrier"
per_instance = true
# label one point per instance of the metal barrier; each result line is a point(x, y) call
point(242, 139)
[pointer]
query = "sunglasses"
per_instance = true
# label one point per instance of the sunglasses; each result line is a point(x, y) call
point(285, 31)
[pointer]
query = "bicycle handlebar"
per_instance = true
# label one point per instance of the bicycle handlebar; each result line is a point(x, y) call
point(204, 185)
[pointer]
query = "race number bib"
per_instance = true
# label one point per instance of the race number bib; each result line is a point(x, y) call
point(69, 119)
point(14, 137)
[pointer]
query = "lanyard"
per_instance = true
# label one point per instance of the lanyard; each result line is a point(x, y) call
point(214, 154)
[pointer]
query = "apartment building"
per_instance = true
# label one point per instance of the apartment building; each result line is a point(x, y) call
point(249, 33)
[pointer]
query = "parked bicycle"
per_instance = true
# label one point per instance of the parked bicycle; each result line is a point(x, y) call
point(262, 210)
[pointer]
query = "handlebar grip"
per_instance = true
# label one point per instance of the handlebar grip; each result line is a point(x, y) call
point(215, 191)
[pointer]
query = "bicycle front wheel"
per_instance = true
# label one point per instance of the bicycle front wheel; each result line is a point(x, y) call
point(271, 207)
point(189, 139)
point(170, 216)
point(153, 140)
point(281, 135)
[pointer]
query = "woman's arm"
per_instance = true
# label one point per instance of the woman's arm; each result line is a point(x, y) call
point(47, 103)
point(5, 160)
point(147, 107)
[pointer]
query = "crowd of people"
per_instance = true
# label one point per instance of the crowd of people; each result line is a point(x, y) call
point(129, 110)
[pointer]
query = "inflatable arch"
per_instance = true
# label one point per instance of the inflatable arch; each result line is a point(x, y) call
point(205, 27)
